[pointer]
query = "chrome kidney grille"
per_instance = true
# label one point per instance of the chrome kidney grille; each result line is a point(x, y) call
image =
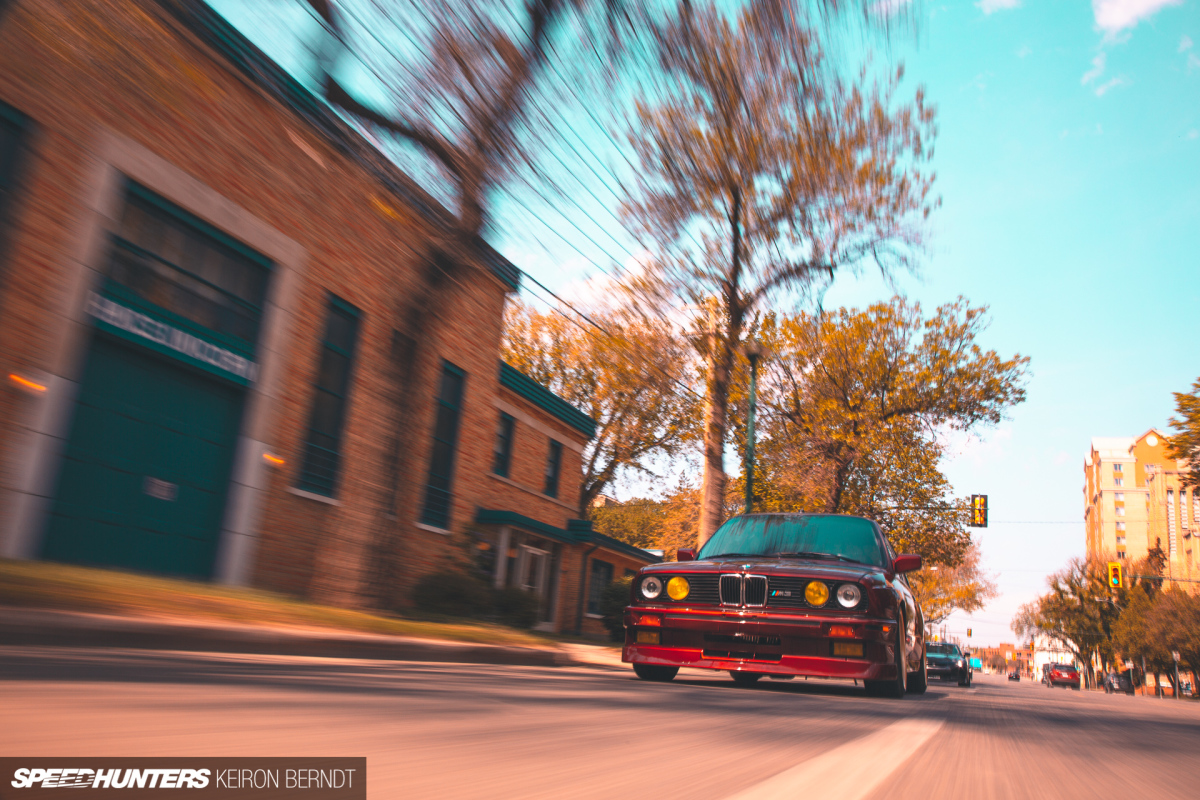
point(743, 590)
point(731, 590)
point(754, 590)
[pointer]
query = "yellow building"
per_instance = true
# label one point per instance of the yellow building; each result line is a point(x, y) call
point(1134, 499)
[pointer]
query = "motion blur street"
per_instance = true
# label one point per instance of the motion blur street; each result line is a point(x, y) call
point(449, 730)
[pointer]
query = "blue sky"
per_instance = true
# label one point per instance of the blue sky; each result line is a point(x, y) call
point(1068, 160)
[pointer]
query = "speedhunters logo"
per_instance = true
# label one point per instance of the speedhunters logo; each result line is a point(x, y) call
point(73, 777)
point(256, 778)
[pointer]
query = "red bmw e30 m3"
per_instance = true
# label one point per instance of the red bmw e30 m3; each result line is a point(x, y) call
point(782, 595)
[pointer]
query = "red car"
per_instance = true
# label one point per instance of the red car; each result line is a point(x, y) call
point(820, 595)
point(1061, 675)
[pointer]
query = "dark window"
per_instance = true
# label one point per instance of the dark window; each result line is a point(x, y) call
point(166, 257)
point(602, 573)
point(445, 438)
point(553, 465)
point(13, 126)
point(504, 443)
point(322, 449)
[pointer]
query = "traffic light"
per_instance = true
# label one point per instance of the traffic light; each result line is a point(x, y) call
point(1115, 578)
point(978, 511)
point(968, 633)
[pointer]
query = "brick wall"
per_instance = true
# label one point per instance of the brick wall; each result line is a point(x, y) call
point(86, 71)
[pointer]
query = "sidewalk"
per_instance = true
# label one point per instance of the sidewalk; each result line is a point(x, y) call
point(29, 626)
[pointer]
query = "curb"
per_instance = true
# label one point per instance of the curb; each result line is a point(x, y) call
point(41, 627)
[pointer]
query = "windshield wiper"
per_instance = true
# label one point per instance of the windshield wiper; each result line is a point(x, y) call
point(809, 554)
point(734, 555)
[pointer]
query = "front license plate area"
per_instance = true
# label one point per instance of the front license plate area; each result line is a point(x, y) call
point(848, 649)
point(647, 637)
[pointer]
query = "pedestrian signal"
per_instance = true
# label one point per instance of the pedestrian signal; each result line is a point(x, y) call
point(1115, 578)
point(978, 511)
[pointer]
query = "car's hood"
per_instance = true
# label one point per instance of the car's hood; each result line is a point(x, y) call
point(816, 568)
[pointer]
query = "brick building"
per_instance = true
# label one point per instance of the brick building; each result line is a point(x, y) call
point(204, 280)
point(1135, 500)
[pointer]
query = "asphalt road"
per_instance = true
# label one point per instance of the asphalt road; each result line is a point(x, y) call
point(449, 731)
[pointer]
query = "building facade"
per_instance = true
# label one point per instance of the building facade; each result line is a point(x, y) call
point(1135, 500)
point(204, 274)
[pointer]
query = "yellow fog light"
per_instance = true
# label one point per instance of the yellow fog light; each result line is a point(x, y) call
point(678, 588)
point(647, 637)
point(816, 594)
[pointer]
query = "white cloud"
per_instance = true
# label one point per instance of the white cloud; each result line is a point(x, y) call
point(1193, 61)
point(1193, 134)
point(1112, 83)
point(1113, 16)
point(1024, 51)
point(992, 6)
point(1097, 69)
point(1185, 43)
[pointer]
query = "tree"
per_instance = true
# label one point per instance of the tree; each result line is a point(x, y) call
point(1078, 612)
point(1132, 637)
point(631, 377)
point(763, 171)
point(1185, 444)
point(1174, 624)
point(856, 402)
point(943, 590)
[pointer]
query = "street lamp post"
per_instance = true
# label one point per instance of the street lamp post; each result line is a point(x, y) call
point(754, 351)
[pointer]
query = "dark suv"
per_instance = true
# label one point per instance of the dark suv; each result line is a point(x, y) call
point(1060, 675)
point(947, 662)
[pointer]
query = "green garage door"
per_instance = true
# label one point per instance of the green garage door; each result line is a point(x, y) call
point(143, 482)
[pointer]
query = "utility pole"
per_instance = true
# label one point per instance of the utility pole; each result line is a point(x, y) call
point(754, 351)
point(1175, 655)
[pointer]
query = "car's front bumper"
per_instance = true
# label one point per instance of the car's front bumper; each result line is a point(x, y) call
point(761, 641)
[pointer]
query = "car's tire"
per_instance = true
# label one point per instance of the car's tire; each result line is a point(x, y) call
point(650, 672)
point(745, 678)
point(894, 688)
point(918, 681)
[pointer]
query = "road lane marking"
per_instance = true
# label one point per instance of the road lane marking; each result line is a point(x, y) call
point(850, 771)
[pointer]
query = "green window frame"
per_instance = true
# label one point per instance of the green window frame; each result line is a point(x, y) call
point(167, 259)
point(322, 445)
point(14, 130)
point(601, 577)
point(438, 497)
point(502, 461)
point(553, 468)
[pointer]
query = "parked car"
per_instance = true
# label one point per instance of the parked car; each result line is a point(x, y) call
point(775, 595)
point(1061, 675)
point(947, 662)
point(1118, 682)
point(1014, 676)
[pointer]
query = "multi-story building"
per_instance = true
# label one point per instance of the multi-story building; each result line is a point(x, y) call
point(1135, 500)
point(207, 286)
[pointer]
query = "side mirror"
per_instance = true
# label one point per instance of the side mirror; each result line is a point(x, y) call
point(906, 563)
point(685, 554)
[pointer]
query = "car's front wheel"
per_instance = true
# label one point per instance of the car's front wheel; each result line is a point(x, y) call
point(649, 672)
point(918, 681)
point(745, 678)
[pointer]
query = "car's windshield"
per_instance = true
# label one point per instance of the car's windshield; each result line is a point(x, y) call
point(943, 649)
point(797, 536)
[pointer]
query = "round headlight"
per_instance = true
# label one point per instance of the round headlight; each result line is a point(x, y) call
point(816, 593)
point(651, 588)
point(678, 588)
point(848, 595)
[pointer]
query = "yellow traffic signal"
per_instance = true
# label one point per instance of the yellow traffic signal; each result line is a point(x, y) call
point(1115, 577)
point(978, 511)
